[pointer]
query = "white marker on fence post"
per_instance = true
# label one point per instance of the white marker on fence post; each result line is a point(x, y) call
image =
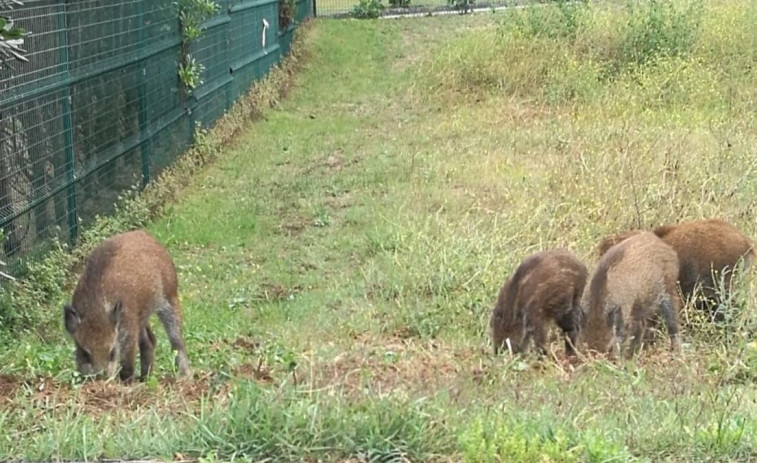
point(265, 28)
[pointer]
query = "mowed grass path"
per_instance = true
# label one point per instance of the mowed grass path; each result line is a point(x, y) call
point(337, 268)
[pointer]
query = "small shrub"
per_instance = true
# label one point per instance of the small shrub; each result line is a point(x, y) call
point(368, 9)
point(559, 21)
point(660, 28)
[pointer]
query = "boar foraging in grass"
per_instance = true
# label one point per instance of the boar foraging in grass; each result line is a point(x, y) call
point(708, 250)
point(126, 279)
point(547, 286)
point(634, 280)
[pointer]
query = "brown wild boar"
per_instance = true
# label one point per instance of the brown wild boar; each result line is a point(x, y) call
point(708, 250)
point(547, 286)
point(634, 280)
point(610, 241)
point(126, 279)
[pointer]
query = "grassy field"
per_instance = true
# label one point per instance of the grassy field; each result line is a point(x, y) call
point(339, 263)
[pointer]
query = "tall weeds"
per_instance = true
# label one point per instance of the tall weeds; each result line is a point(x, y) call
point(664, 52)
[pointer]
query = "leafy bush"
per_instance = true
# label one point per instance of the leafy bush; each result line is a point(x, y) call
point(558, 21)
point(368, 9)
point(660, 28)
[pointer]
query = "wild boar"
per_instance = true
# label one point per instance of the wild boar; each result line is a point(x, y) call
point(634, 281)
point(708, 250)
point(546, 287)
point(126, 278)
point(610, 241)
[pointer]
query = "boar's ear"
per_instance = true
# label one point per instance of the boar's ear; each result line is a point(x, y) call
point(115, 315)
point(71, 317)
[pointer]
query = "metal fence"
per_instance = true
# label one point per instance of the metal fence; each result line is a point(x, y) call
point(98, 107)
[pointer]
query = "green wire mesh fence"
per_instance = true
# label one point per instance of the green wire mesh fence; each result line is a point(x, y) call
point(98, 108)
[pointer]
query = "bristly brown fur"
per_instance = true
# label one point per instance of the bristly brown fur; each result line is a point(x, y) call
point(707, 249)
point(610, 241)
point(546, 287)
point(633, 281)
point(127, 278)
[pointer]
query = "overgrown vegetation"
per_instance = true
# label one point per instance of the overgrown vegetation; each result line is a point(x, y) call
point(652, 52)
point(339, 262)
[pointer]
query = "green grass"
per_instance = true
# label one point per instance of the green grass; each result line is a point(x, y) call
point(339, 262)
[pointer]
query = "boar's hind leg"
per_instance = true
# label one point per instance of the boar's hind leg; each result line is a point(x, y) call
point(614, 320)
point(638, 328)
point(146, 350)
point(128, 356)
point(540, 339)
point(570, 324)
point(170, 316)
point(671, 322)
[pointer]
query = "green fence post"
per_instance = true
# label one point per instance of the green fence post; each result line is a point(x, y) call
point(227, 56)
point(68, 134)
point(142, 97)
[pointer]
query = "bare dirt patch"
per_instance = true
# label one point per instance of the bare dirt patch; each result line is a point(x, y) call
point(272, 291)
point(101, 397)
point(293, 226)
point(392, 365)
point(257, 372)
point(330, 164)
point(8, 386)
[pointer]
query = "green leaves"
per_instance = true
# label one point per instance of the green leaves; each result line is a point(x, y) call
point(190, 73)
point(368, 9)
point(11, 37)
point(192, 13)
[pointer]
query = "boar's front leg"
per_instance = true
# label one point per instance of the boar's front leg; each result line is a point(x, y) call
point(146, 351)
